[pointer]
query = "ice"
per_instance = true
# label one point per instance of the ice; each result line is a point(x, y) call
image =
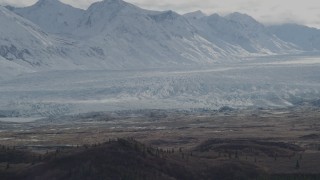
point(257, 83)
point(56, 60)
point(18, 120)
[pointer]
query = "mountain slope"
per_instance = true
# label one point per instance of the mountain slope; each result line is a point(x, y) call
point(195, 15)
point(22, 41)
point(52, 16)
point(9, 69)
point(117, 35)
point(145, 37)
point(120, 35)
point(304, 37)
point(26, 44)
point(240, 31)
point(113, 34)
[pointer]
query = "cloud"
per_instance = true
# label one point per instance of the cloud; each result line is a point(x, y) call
point(18, 3)
point(268, 12)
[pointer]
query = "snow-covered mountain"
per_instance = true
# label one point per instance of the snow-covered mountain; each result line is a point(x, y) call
point(121, 35)
point(113, 34)
point(22, 41)
point(137, 37)
point(240, 32)
point(10, 69)
point(52, 16)
point(56, 59)
point(195, 15)
point(27, 45)
point(304, 37)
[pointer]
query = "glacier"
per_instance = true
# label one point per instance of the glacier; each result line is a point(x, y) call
point(259, 83)
point(56, 59)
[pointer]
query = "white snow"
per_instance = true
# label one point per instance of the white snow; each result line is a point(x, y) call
point(267, 83)
point(113, 34)
point(305, 38)
point(56, 59)
point(52, 16)
point(10, 69)
point(18, 120)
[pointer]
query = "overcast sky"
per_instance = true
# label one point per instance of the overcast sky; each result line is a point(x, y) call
point(305, 12)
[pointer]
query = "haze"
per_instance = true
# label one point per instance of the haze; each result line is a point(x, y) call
point(268, 12)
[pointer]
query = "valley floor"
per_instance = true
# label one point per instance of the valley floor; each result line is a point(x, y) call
point(266, 144)
point(256, 119)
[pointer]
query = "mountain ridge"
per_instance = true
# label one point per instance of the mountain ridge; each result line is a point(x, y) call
point(307, 38)
point(52, 16)
point(114, 34)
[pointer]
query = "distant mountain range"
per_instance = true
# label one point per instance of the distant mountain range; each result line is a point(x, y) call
point(113, 34)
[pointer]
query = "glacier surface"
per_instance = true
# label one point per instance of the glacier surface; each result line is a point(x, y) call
point(266, 82)
point(56, 59)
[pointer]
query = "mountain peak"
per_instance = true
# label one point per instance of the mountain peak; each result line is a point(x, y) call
point(47, 2)
point(53, 16)
point(244, 20)
point(109, 6)
point(240, 17)
point(165, 15)
point(109, 3)
point(196, 14)
point(113, 1)
point(215, 15)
